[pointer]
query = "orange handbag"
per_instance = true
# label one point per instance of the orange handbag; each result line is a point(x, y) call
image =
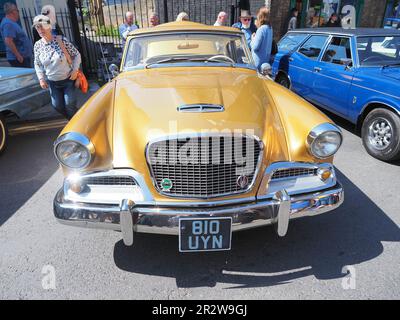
point(81, 82)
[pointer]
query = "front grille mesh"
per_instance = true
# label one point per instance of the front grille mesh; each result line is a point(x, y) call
point(205, 170)
point(110, 181)
point(294, 172)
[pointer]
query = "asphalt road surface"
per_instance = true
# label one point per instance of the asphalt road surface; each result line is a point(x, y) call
point(350, 253)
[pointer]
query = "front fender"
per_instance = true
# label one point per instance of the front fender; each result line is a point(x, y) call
point(95, 121)
point(298, 118)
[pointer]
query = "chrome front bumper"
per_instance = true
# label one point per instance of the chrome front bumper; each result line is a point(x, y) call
point(164, 218)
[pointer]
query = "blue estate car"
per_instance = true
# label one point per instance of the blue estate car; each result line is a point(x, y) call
point(352, 73)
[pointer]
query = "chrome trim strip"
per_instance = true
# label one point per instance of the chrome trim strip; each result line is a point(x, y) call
point(373, 90)
point(200, 135)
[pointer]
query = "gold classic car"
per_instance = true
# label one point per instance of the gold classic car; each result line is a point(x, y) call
point(190, 140)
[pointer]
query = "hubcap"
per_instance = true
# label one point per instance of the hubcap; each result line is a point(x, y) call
point(380, 134)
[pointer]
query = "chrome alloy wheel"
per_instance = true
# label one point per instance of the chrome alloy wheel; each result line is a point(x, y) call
point(380, 134)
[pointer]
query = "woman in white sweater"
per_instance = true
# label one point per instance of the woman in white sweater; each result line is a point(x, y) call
point(57, 63)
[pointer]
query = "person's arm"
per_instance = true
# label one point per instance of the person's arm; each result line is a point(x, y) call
point(9, 33)
point(123, 32)
point(39, 68)
point(257, 40)
point(10, 43)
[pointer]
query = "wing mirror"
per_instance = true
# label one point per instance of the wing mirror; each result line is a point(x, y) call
point(266, 69)
point(348, 63)
point(114, 70)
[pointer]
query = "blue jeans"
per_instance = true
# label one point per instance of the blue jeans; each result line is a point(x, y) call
point(63, 97)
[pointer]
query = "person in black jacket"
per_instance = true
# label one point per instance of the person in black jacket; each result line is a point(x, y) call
point(333, 21)
point(49, 11)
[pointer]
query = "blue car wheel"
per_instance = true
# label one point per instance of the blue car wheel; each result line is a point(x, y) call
point(381, 134)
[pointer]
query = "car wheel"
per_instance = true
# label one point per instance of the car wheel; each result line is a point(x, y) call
point(381, 134)
point(3, 133)
point(283, 80)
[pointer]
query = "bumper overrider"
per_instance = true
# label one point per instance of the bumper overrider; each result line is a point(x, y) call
point(131, 209)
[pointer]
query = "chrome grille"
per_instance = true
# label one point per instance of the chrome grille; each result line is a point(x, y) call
point(110, 181)
point(210, 167)
point(294, 172)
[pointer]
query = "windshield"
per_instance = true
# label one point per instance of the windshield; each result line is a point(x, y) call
point(379, 51)
point(201, 48)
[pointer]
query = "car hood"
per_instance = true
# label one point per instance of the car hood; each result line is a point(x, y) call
point(146, 103)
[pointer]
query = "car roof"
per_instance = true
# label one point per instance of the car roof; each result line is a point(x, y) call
point(184, 26)
point(358, 32)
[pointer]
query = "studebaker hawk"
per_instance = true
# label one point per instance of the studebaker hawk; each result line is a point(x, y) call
point(190, 140)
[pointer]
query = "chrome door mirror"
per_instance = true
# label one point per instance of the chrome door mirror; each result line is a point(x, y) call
point(114, 70)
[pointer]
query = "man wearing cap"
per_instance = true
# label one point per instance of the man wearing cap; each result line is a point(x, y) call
point(18, 45)
point(246, 24)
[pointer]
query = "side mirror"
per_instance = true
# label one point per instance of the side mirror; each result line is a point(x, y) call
point(348, 63)
point(266, 69)
point(114, 70)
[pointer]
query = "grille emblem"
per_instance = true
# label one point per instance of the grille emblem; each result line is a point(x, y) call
point(166, 184)
point(242, 181)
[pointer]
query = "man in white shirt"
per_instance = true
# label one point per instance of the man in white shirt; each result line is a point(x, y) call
point(221, 19)
point(127, 27)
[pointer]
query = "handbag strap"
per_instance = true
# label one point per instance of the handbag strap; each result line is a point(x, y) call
point(64, 50)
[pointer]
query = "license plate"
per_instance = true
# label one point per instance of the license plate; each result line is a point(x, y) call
point(205, 234)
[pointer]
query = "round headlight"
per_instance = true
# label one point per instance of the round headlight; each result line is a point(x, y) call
point(324, 140)
point(74, 150)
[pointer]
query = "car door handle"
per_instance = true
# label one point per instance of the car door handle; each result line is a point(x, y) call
point(317, 69)
point(291, 59)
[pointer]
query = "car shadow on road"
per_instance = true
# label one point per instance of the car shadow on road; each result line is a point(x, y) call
point(26, 164)
point(319, 246)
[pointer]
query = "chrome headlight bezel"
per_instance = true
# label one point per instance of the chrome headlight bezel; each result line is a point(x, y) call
point(317, 133)
point(81, 141)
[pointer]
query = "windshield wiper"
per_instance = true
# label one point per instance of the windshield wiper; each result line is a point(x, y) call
point(391, 65)
point(166, 60)
point(177, 59)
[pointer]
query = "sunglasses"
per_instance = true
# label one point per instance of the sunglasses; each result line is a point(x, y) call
point(246, 19)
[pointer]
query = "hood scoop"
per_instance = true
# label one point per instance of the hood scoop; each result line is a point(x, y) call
point(196, 108)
